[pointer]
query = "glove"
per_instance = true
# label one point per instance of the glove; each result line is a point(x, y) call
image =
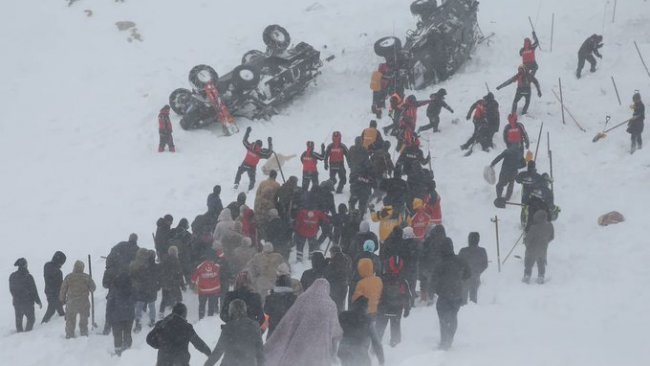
point(499, 87)
point(407, 312)
point(452, 111)
point(269, 140)
point(539, 94)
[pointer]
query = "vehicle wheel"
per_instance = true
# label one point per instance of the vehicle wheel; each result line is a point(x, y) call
point(187, 122)
point(201, 75)
point(423, 8)
point(245, 77)
point(250, 56)
point(179, 100)
point(388, 46)
point(276, 38)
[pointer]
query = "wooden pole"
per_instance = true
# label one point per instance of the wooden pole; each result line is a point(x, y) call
point(569, 112)
point(552, 29)
point(616, 90)
point(495, 220)
point(561, 100)
point(92, 295)
point(641, 57)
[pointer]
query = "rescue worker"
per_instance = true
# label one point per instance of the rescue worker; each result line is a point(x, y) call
point(336, 155)
point(309, 160)
point(433, 110)
point(254, 152)
point(527, 54)
point(523, 80)
point(165, 130)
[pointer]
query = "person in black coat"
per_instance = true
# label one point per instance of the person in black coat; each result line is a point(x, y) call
point(361, 184)
point(278, 302)
point(317, 270)
point(433, 110)
point(449, 276)
point(492, 115)
point(278, 232)
point(24, 294)
point(523, 80)
point(53, 280)
point(589, 48)
point(512, 162)
point(358, 155)
point(395, 301)
point(364, 234)
point(163, 234)
point(337, 274)
point(358, 335)
point(243, 291)
point(429, 258)
point(172, 336)
point(240, 342)
point(145, 278)
point(636, 123)
point(234, 206)
point(118, 261)
point(120, 306)
point(214, 202)
point(476, 258)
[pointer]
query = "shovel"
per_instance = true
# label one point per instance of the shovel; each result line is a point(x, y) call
point(601, 135)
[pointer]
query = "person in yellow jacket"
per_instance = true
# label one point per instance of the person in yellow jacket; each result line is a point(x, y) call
point(371, 137)
point(388, 219)
point(370, 286)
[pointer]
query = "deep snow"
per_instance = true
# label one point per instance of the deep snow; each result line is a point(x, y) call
point(81, 169)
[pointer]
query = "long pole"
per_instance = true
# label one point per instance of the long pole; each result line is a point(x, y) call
point(92, 294)
point(614, 11)
point(569, 112)
point(641, 57)
point(552, 29)
point(487, 87)
point(495, 220)
point(550, 157)
point(616, 90)
point(533, 28)
point(279, 167)
point(539, 137)
point(561, 100)
point(513, 247)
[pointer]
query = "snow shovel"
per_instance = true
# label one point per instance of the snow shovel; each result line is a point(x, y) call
point(603, 134)
point(488, 175)
point(501, 203)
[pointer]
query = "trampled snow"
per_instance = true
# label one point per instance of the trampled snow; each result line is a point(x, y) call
point(80, 168)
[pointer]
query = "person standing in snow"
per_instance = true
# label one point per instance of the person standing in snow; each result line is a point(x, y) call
point(539, 235)
point(481, 132)
point(527, 54)
point(254, 152)
point(207, 279)
point(476, 258)
point(120, 309)
point(263, 268)
point(492, 115)
point(118, 261)
point(172, 336)
point(370, 286)
point(335, 156)
point(24, 294)
point(433, 110)
point(306, 226)
point(244, 291)
point(358, 335)
point(317, 270)
point(410, 112)
point(214, 202)
point(145, 281)
point(371, 137)
point(53, 280)
point(589, 48)
point(75, 292)
point(240, 341)
point(163, 234)
point(165, 130)
point(279, 301)
point(523, 79)
point(171, 280)
point(309, 159)
point(449, 275)
point(514, 133)
point(395, 300)
point(635, 125)
point(512, 162)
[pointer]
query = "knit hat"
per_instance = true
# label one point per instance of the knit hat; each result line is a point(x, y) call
point(133, 238)
point(364, 227)
point(473, 239)
point(180, 309)
point(369, 246)
point(408, 233)
point(21, 262)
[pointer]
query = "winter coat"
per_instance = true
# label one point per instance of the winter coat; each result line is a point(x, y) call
point(308, 333)
point(240, 343)
point(181, 239)
point(144, 277)
point(376, 264)
point(118, 260)
point(370, 286)
point(163, 234)
point(265, 197)
point(120, 302)
point(396, 295)
point(278, 232)
point(76, 289)
point(512, 161)
point(241, 256)
point(539, 235)
point(308, 222)
point(23, 288)
point(359, 239)
point(358, 335)
point(638, 116)
point(359, 157)
point(263, 268)
point(476, 258)
point(387, 221)
point(171, 275)
point(53, 275)
point(381, 164)
point(253, 304)
point(449, 275)
point(317, 270)
point(591, 45)
point(207, 277)
point(224, 229)
point(277, 304)
point(215, 206)
point(171, 337)
point(288, 199)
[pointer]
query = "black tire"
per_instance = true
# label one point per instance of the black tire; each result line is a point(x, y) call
point(190, 120)
point(276, 38)
point(201, 74)
point(179, 100)
point(250, 56)
point(245, 77)
point(388, 46)
point(424, 8)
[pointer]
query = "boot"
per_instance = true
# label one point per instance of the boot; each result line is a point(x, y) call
point(526, 279)
point(540, 280)
point(172, 148)
point(235, 186)
point(161, 148)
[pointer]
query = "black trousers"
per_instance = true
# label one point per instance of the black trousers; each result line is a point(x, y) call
point(53, 305)
point(307, 178)
point(122, 334)
point(506, 179)
point(169, 298)
point(362, 197)
point(341, 172)
point(166, 140)
point(251, 175)
point(521, 93)
point(448, 317)
point(395, 326)
point(434, 122)
point(212, 301)
point(581, 63)
point(300, 246)
point(470, 289)
point(637, 142)
point(529, 262)
point(26, 311)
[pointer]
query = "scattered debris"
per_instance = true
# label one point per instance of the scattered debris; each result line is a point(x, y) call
point(613, 217)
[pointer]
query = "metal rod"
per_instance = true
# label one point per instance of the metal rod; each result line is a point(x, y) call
point(616, 90)
point(614, 11)
point(561, 100)
point(569, 112)
point(495, 220)
point(552, 30)
point(513, 247)
point(539, 137)
point(641, 57)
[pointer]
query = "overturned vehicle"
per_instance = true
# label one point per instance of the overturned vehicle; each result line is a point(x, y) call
point(443, 40)
point(253, 90)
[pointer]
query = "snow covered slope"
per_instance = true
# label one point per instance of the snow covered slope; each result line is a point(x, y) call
point(78, 142)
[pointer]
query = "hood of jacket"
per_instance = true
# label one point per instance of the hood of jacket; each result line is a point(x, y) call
point(79, 267)
point(225, 215)
point(365, 267)
point(58, 259)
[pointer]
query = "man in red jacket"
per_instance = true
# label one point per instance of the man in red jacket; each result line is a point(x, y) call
point(527, 54)
point(309, 160)
point(410, 112)
point(254, 152)
point(305, 228)
point(165, 130)
point(207, 278)
point(481, 132)
point(514, 133)
point(523, 79)
point(335, 156)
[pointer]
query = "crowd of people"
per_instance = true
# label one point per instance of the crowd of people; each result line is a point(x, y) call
point(237, 259)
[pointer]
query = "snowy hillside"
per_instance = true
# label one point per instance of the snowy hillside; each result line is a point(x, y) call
point(78, 142)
